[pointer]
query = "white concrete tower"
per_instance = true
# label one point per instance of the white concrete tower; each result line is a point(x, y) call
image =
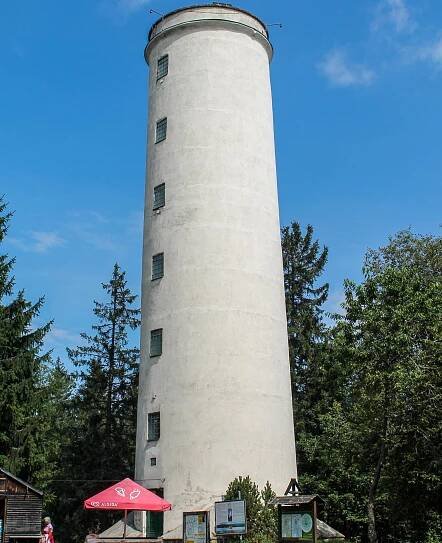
point(215, 398)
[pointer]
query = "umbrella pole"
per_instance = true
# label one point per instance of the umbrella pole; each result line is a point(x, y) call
point(125, 523)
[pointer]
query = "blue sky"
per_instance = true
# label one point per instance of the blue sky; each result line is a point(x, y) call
point(357, 89)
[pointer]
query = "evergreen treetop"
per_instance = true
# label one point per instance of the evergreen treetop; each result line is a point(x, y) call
point(303, 263)
point(21, 365)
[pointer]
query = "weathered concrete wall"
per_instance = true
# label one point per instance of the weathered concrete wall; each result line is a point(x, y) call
point(222, 383)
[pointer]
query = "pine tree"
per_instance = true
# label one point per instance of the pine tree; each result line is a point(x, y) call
point(21, 365)
point(102, 443)
point(304, 262)
point(54, 421)
point(108, 372)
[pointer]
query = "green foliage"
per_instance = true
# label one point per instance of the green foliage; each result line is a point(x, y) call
point(245, 489)
point(434, 532)
point(108, 377)
point(101, 444)
point(376, 457)
point(22, 370)
point(267, 520)
point(262, 524)
point(54, 422)
point(303, 262)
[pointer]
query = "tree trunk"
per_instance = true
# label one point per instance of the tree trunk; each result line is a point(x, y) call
point(372, 536)
point(111, 370)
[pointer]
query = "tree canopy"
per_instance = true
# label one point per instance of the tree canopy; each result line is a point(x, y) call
point(377, 454)
point(101, 447)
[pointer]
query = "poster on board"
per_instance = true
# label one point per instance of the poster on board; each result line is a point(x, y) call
point(297, 525)
point(230, 517)
point(196, 527)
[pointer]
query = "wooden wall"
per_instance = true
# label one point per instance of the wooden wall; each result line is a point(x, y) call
point(23, 515)
point(22, 509)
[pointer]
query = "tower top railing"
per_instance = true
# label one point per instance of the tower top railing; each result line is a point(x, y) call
point(211, 15)
point(199, 8)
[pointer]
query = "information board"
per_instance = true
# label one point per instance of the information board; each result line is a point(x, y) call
point(230, 517)
point(297, 525)
point(196, 527)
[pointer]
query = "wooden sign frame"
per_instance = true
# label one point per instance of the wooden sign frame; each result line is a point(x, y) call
point(309, 508)
point(206, 515)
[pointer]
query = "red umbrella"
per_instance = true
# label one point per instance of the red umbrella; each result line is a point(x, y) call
point(127, 495)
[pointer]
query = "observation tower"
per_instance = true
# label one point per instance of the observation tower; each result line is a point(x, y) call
point(214, 397)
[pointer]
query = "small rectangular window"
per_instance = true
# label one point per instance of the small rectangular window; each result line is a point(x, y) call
point(153, 461)
point(159, 196)
point(156, 342)
point(153, 426)
point(162, 66)
point(161, 131)
point(157, 266)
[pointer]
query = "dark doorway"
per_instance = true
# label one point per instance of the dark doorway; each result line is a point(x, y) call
point(154, 521)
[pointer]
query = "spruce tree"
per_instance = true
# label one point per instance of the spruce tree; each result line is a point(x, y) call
point(102, 443)
point(21, 366)
point(304, 262)
point(54, 422)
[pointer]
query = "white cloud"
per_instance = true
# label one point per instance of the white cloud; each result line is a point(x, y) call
point(430, 53)
point(58, 339)
point(60, 336)
point(38, 242)
point(335, 301)
point(103, 233)
point(340, 72)
point(394, 14)
point(135, 223)
point(43, 241)
point(88, 227)
point(93, 228)
point(99, 240)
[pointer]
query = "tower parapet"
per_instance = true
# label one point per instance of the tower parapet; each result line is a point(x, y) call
point(216, 15)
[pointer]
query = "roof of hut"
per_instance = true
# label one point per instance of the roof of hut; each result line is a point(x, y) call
point(9, 475)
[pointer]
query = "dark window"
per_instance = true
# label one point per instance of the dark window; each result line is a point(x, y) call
point(159, 196)
point(161, 131)
point(153, 426)
point(162, 66)
point(157, 266)
point(153, 461)
point(156, 342)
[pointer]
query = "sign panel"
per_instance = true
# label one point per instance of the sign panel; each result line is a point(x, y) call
point(230, 517)
point(297, 525)
point(196, 527)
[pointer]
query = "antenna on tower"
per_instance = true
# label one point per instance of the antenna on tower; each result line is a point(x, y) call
point(157, 12)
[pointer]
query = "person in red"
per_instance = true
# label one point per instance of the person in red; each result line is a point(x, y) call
point(48, 530)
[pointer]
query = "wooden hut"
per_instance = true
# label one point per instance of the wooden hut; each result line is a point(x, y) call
point(20, 510)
